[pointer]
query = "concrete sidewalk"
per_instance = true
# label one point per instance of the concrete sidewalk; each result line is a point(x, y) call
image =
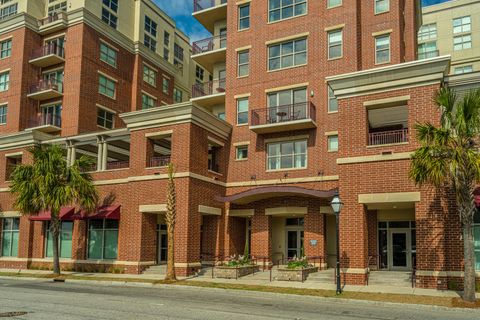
point(259, 279)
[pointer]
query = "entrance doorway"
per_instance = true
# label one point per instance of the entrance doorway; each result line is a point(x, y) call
point(397, 245)
point(294, 237)
point(162, 244)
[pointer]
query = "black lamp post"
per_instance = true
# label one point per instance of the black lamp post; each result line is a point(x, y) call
point(337, 206)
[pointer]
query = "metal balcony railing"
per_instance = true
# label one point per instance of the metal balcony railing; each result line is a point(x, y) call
point(281, 114)
point(112, 165)
point(159, 161)
point(52, 17)
point(428, 54)
point(44, 85)
point(208, 88)
point(209, 44)
point(388, 137)
point(199, 5)
point(46, 120)
point(47, 50)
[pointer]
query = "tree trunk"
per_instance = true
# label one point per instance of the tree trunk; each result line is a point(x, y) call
point(170, 254)
point(469, 261)
point(55, 231)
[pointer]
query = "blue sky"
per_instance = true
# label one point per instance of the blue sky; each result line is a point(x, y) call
point(181, 11)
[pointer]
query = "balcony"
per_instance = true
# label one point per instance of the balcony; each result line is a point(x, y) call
point(115, 165)
point(48, 55)
point(47, 123)
point(52, 23)
point(160, 161)
point(388, 137)
point(207, 12)
point(45, 89)
point(297, 116)
point(209, 94)
point(208, 52)
point(428, 54)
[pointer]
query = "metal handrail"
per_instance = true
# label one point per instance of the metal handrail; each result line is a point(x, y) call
point(52, 17)
point(388, 137)
point(283, 113)
point(208, 88)
point(199, 5)
point(46, 120)
point(161, 161)
point(43, 85)
point(48, 49)
point(209, 44)
point(112, 165)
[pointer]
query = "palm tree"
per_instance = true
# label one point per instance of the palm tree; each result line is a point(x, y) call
point(50, 184)
point(170, 217)
point(449, 156)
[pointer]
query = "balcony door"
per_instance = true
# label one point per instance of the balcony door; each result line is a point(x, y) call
point(55, 78)
point(287, 105)
point(51, 115)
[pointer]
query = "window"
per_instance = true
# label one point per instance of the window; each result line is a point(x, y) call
point(10, 230)
point(56, 8)
point(150, 26)
point(241, 153)
point(199, 73)
point(244, 17)
point(382, 49)
point(108, 54)
point(243, 63)
point(287, 105)
point(150, 43)
point(111, 5)
point(287, 54)
point(103, 239)
point(284, 9)
point(104, 118)
point(462, 25)
point(462, 42)
point(427, 32)
point(6, 48)
point(335, 44)
point(332, 101)
point(177, 95)
point(287, 155)
point(166, 38)
point(427, 50)
point(332, 143)
point(476, 238)
point(11, 163)
point(147, 101)
point(333, 3)
point(3, 114)
point(382, 6)
point(8, 11)
point(221, 116)
point(65, 243)
point(213, 158)
point(109, 18)
point(149, 75)
point(178, 56)
point(242, 111)
point(463, 69)
point(166, 85)
point(4, 81)
point(106, 86)
point(51, 115)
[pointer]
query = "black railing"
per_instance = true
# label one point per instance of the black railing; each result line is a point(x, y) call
point(48, 49)
point(44, 85)
point(199, 5)
point(46, 120)
point(161, 161)
point(52, 17)
point(282, 114)
point(208, 88)
point(209, 44)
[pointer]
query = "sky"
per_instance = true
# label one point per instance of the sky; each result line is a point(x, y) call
point(181, 11)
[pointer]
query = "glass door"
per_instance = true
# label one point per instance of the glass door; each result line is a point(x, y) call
point(223, 38)
point(294, 243)
point(162, 244)
point(400, 257)
point(51, 115)
point(55, 78)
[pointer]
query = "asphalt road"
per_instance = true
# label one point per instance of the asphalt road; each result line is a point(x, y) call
point(47, 300)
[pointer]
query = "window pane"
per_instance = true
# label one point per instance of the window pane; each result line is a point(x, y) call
point(6, 243)
point(111, 244)
point(95, 239)
point(301, 147)
point(287, 148)
point(287, 162)
point(66, 240)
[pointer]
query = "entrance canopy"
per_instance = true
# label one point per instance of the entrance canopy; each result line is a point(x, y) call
point(69, 214)
point(274, 192)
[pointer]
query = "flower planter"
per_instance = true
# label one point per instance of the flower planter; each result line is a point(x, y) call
point(225, 272)
point(285, 274)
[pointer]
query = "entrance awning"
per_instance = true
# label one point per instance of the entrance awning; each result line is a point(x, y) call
point(66, 214)
point(105, 212)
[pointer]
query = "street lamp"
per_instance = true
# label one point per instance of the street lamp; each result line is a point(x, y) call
point(337, 205)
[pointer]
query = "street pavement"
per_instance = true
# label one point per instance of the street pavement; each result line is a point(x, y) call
point(44, 299)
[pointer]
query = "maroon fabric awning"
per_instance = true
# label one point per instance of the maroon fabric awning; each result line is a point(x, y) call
point(66, 214)
point(105, 212)
point(476, 197)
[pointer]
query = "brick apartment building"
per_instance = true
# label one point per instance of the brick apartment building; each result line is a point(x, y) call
point(250, 163)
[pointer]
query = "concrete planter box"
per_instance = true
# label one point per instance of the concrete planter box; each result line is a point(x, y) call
point(225, 272)
point(285, 274)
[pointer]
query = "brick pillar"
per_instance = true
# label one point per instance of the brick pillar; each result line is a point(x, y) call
point(148, 244)
point(210, 236)
point(372, 238)
point(261, 235)
point(79, 240)
point(25, 241)
point(315, 239)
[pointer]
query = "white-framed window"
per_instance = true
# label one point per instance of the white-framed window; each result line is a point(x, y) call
point(333, 3)
point(199, 73)
point(242, 111)
point(178, 56)
point(332, 143)
point(10, 232)
point(150, 26)
point(149, 42)
point(462, 24)
point(65, 241)
point(149, 76)
point(165, 85)
point(335, 44)
point(287, 54)
point(105, 118)
point(462, 42)
point(103, 239)
point(51, 114)
point(8, 11)
point(427, 32)
point(109, 12)
point(107, 86)
point(287, 155)
point(6, 48)
point(243, 63)
point(332, 101)
point(244, 17)
point(108, 54)
point(3, 114)
point(463, 69)
point(148, 101)
point(427, 50)
point(241, 152)
point(284, 9)
point(4, 81)
point(382, 49)
point(177, 95)
point(382, 6)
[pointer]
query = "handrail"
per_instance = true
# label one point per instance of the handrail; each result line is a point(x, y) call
point(112, 165)
point(52, 17)
point(199, 5)
point(43, 85)
point(48, 49)
point(283, 113)
point(388, 137)
point(208, 88)
point(209, 44)
point(46, 120)
point(161, 161)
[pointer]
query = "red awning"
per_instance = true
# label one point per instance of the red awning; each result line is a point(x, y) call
point(66, 214)
point(105, 212)
point(476, 197)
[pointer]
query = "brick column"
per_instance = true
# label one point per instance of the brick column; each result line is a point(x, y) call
point(315, 238)
point(79, 240)
point(25, 241)
point(261, 235)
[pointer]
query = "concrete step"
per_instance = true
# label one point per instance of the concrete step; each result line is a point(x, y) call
point(390, 278)
point(161, 269)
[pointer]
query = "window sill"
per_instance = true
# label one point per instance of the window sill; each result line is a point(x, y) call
point(336, 58)
point(241, 160)
point(282, 170)
point(105, 95)
point(286, 19)
point(288, 68)
point(214, 172)
point(332, 112)
point(380, 13)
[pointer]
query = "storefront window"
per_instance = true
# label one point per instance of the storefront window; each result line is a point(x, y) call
point(65, 249)
point(10, 230)
point(103, 239)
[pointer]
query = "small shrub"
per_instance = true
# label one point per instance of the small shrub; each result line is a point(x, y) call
point(238, 261)
point(297, 263)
